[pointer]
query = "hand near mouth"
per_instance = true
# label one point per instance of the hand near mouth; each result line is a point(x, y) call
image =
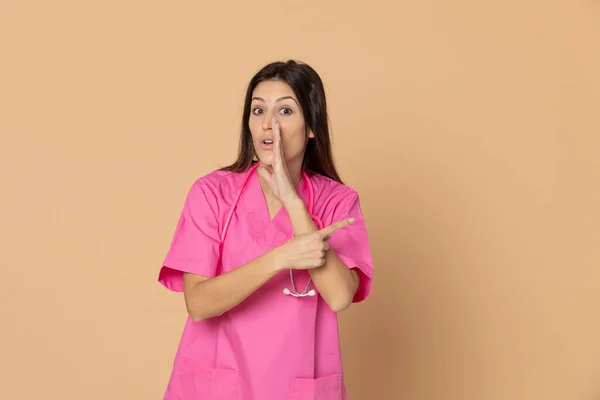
point(279, 179)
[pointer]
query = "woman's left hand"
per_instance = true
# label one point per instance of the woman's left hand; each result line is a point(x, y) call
point(279, 179)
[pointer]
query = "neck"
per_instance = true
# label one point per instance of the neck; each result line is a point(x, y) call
point(294, 169)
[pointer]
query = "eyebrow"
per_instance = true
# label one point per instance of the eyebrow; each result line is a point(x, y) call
point(276, 101)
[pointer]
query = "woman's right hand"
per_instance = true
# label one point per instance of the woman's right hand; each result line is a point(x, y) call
point(307, 250)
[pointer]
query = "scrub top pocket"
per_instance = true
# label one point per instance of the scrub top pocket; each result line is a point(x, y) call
point(200, 382)
point(325, 388)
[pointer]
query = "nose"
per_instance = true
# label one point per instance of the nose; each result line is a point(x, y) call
point(268, 121)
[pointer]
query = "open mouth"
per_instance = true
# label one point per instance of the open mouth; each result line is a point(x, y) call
point(268, 141)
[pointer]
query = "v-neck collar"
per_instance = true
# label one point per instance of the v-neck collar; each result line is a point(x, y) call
point(254, 202)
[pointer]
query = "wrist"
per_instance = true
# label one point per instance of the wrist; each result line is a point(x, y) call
point(273, 261)
point(293, 202)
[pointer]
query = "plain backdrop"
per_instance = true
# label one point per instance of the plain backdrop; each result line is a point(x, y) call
point(470, 129)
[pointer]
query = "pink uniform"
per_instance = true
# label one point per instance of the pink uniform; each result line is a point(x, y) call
point(272, 346)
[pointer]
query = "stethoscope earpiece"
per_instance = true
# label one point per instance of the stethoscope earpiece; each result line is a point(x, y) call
point(311, 293)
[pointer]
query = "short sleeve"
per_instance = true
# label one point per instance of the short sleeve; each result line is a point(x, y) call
point(351, 244)
point(195, 244)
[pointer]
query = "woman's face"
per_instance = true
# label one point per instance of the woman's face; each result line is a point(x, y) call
point(276, 99)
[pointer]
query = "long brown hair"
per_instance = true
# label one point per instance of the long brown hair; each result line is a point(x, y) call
point(308, 88)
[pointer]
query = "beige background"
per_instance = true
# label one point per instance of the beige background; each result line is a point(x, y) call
point(470, 128)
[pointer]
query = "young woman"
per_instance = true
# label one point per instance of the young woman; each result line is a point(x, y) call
point(266, 252)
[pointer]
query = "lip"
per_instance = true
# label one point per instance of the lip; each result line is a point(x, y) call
point(265, 146)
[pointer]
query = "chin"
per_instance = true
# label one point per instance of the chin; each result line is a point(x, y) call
point(265, 159)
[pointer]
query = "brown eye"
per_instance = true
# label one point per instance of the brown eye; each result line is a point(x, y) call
point(287, 111)
point(256, 111)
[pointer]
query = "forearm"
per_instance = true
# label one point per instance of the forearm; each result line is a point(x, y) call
point(212, 297)
point(335, 282)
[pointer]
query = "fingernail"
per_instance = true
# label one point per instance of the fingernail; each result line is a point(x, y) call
point(351, 220)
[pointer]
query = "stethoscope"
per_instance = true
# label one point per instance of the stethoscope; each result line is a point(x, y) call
point(319, 223)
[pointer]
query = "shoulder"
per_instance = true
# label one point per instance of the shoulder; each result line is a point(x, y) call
point(332, 194)
point(216, 187)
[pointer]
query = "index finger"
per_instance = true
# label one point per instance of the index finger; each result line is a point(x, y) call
point(277, 145)
point(327, 231)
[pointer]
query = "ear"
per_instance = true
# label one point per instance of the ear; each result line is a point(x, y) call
point(311, 135)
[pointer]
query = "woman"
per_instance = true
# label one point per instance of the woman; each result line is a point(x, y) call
point(266, 252)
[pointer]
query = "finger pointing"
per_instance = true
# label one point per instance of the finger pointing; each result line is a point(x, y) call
point(327, 231)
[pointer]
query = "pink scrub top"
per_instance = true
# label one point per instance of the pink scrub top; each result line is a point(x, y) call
point(271, 346)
